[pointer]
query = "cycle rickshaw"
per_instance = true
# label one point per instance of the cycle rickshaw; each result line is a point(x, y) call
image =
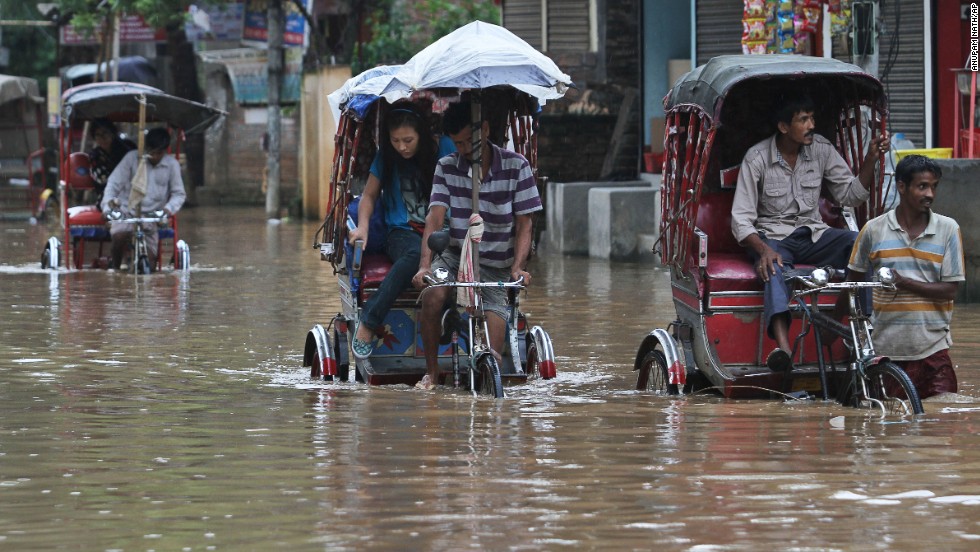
point(83, 224)
point(24, 174)
point(718, 340)
point(504, 75)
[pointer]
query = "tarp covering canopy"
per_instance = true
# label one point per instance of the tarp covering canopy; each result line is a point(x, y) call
point(15, 88)
point(364, 86)
point(474, 56)
point(117, 101)
point(480, 55)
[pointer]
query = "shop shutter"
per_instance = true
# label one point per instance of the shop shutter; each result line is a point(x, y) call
point(718, 28)
point(902, 45)
point(568, 25)
point(523, 18)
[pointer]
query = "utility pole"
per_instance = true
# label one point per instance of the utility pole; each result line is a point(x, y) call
point(275, 39)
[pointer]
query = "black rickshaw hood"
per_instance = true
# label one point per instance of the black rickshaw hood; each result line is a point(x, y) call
point(707, 85)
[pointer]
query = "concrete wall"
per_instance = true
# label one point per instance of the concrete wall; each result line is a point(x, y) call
point(957, 197)
point(235, 162)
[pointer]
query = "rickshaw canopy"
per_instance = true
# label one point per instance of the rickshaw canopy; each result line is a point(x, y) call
point(117, 101)
point(14, 88)
point(709, 84)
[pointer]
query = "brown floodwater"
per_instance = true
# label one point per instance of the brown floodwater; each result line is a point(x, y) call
point(171, 412)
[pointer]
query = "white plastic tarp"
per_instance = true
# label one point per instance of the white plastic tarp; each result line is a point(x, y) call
point(476, 55)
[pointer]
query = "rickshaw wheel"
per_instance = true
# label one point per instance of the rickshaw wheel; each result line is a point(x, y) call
point(46, 258)
point(889, 384)
point(653, 375)
point(315, 365)
point(343, 359)
point(488, 380)
point(143, 265)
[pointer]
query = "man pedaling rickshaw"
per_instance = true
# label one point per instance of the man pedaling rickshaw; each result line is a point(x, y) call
point(164, 191)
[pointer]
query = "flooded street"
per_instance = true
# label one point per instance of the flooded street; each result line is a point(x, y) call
point(171, 412)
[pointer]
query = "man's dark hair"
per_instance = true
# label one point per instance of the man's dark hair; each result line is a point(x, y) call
point(456, 117)
point(793, 105)
point(157, 139)
point(911, 165)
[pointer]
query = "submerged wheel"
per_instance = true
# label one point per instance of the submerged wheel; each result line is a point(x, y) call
point(316, 366)
point(890, 385)
point(46, 258)
point(343, 358)
point(488, 377)
point(653, 375)
point(540, 355)
point(143, 265)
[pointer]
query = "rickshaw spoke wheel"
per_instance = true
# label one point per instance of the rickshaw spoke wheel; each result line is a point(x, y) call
point(143, 265)
point(890, 385)
point(488, 380)
point(533, 360)
point(316, 365)
point(653, 376)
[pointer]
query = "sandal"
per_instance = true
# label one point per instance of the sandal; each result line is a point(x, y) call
point(361, 349)
point(425, 383)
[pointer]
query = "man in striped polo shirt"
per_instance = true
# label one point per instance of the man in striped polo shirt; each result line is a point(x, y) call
point(508, 197)
point(924, 249)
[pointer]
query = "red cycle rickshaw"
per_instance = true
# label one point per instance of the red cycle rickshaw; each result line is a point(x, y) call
point(714, 114)
point(121, 102)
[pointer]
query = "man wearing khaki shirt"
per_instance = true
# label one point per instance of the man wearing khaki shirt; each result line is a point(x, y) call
point(776, 210)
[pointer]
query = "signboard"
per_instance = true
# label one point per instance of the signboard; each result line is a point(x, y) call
point(248, 70)
point(256, 25)
point(132, 28)
point(215, 22)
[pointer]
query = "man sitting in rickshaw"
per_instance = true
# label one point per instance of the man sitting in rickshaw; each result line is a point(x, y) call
point(776, 209)
point(164, 191)
point(508, 197)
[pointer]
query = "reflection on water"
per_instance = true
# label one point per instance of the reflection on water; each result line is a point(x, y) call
point(169, 412)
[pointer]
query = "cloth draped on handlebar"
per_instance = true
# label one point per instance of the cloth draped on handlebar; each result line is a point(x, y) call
point(474, 235)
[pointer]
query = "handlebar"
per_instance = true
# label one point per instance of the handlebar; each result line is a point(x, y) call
point(433, 282)
point(818, 280)
point(159, 217)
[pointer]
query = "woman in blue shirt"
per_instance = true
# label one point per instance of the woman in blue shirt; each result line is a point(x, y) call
point(402, 174)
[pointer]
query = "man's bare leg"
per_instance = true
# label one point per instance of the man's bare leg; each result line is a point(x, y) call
point(780, 359)
point(430, 324)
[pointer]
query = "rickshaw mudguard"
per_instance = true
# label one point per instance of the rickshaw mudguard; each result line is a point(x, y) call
point(317, 342)
point(546, 353)
point(676, 368)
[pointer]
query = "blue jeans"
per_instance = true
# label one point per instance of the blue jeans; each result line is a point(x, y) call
point(404, 248)
point(833, 248)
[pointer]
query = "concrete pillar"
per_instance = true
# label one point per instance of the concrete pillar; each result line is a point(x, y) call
point(618, 217)
point(568, 214)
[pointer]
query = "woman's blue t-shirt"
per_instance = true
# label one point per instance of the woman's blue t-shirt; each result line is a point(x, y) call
point(407, 206)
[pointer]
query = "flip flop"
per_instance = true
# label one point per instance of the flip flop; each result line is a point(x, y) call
point(361, 349)
point(779, 361)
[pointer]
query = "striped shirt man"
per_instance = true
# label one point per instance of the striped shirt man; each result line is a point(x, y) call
point(508, 190)
point(907, 326)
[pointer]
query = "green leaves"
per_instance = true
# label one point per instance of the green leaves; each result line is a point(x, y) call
point(400, 30)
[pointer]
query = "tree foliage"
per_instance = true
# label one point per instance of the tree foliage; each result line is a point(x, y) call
point(400, 29)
